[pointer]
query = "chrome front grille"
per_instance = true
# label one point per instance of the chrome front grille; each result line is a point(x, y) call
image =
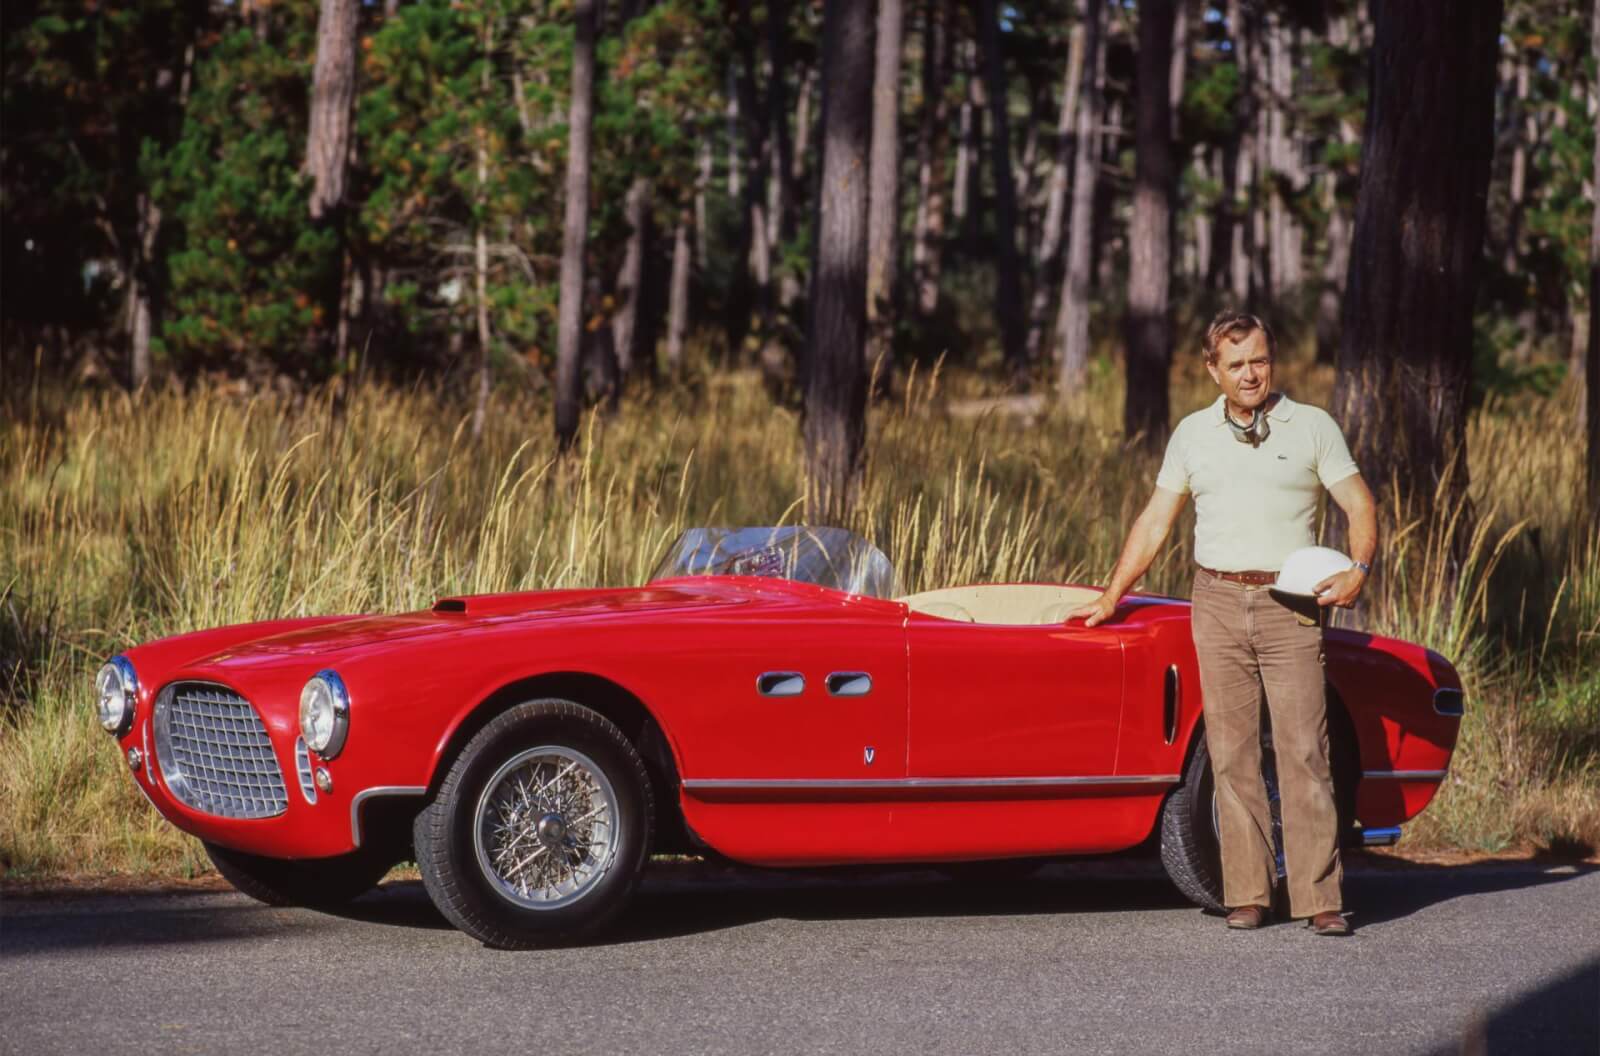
point(214, 752)
point(302, 770)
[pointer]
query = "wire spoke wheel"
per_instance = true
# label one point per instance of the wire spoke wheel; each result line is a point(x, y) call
point(546, 827)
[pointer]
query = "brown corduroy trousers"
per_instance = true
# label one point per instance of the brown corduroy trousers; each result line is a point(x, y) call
point(1252, 646)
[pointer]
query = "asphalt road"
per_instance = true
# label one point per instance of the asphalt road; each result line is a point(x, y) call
point(1102, 958)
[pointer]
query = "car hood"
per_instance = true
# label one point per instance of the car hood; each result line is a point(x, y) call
point(454, 614)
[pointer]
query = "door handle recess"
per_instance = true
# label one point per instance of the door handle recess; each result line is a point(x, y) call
point(781, 684)
point(849, 684)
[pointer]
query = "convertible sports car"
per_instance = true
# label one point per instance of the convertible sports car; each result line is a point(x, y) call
point(768, 696)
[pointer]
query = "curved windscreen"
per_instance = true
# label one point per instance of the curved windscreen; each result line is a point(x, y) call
point(827, 557)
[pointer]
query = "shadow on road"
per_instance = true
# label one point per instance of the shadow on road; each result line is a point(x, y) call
point(687, 898)
point(1398, 888)
point(1562, 1017)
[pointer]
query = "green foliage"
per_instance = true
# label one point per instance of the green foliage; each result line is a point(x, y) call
point(248, 270)
point(447, 152)
point(87, 89)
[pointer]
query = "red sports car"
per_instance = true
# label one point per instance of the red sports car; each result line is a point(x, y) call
point(768, 696)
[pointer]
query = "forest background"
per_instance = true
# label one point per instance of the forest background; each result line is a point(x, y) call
point(343, 306)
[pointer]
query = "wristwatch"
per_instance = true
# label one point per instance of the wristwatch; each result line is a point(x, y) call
point(1366, 569)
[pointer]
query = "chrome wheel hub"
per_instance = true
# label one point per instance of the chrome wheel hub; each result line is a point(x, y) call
point(546, 827)
point(552, 829)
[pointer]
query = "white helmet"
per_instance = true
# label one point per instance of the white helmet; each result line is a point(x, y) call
point(1308, 566)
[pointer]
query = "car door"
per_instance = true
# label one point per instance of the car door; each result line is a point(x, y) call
point(796, 737)
point(993, 701)
point(808, 691)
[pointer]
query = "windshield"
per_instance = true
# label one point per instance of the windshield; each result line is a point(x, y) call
point(827, 557)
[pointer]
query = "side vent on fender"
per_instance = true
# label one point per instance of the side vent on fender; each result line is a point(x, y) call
point(1170, 699)
point(1448, 701)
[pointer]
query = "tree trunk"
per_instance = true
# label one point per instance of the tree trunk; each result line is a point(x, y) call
point(735, 168)
point(966, 144)
point(575, 226)
point(702, 187)
point(835, 404)
point(630, 283)
point(1337, 263)
point(803, 126)
point(1055, 209)
point(142, 287)
point(141, 321)
point(480, 256)
point(1180, 63)
point(678, 297)
point(328, 138)
point(1072, 320)
point(1334, 270)
point(1591, 371)
point(1277, 151)
point(1261, 191)
point(1523, 130)
point(1149, 327)
point(1222, 225)
point(1008, 278)
point(1200, 252)
point(932, 143)
point(789, 286)
point(1242, 244)
point(139, 328)
point(1405, 353)
point(883, 209)
point(779, 227)
point(333, 89)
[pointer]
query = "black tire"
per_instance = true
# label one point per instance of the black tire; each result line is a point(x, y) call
point(452, 849)
point(316, 882)
point(1189, 849)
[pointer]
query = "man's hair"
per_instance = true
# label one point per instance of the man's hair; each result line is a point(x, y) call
point(1233, 327)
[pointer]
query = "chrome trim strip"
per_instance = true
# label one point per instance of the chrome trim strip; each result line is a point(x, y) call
point(149, 769)
point(369, 793)
point(1456, 709)
point(1404, 775)
point(1380, 837)
point(712, 784)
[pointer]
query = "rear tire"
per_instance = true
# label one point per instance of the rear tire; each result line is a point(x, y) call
point(1190, 851)
point(539, 831)
point(315, 882)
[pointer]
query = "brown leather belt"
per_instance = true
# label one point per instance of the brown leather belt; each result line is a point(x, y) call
point(1249, 577)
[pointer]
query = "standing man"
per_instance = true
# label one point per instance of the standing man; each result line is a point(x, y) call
point(1256, 462)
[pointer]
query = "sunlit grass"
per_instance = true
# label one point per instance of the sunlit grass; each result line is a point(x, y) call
point(126, 520)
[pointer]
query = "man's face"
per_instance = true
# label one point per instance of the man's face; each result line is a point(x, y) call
point(1243, 370)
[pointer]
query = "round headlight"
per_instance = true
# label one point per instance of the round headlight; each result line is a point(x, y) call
point(324, 714)
point(116, 691)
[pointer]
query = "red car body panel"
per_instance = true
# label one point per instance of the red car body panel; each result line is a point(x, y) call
point(975, 740)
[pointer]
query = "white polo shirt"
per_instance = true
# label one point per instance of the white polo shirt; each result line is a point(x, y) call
point(1255, 505)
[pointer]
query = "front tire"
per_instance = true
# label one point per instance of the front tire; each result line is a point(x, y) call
point(539, 831)
point(314, 882)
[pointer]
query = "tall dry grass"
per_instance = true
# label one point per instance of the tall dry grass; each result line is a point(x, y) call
point(125, 520)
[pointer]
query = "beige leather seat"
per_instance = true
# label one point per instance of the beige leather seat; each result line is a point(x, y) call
point(946, 610)
point(1007, 604)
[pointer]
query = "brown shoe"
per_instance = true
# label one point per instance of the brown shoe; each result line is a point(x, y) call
point(1248, 917)
point(1329, 922)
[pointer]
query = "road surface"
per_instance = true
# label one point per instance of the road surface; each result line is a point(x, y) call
point(1096, 958)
